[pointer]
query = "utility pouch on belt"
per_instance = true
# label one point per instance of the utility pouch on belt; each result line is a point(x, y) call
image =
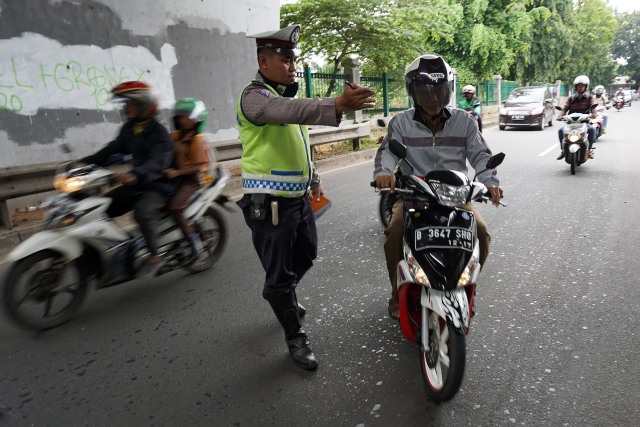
point(258, 206)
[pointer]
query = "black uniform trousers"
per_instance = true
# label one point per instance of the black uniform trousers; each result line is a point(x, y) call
point(286, 250)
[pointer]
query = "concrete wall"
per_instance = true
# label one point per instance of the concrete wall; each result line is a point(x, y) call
point(59, 59)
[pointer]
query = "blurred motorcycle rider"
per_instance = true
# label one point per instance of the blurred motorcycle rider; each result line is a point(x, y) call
point(602, 100)
point(436, 137)
point(144, 188)
point(191, 165)
point(471, 104)
point(579, 102)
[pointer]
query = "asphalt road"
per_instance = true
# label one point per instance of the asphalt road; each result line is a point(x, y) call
point(554, 342)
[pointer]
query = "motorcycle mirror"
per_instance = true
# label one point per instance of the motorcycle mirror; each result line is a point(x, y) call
point(492, 163)
point(398, 149)
point(495, 161)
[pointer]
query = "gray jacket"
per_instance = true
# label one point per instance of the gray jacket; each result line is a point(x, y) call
point(449, 148)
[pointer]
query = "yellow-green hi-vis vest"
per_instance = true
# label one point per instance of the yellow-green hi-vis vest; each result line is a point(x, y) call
point(276, 158)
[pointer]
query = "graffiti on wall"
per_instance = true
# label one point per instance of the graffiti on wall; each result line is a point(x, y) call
point(38, 72)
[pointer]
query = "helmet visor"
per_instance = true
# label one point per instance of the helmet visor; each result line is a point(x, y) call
point(430, 96)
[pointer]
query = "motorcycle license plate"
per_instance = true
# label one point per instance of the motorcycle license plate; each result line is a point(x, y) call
point(517, 117)
point(444, 238)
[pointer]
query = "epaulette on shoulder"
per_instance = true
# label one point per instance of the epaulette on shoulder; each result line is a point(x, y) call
point(258, 83)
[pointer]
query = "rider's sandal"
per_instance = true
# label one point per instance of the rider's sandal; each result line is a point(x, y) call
point(394, 309)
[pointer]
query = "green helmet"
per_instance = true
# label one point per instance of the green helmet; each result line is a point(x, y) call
point(193, 109)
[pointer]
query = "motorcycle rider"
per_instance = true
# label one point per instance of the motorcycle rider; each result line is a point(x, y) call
point(192, 163)
point(619, 94)
point(602, 100)
point(437, 137)
point(471, 104)
point(579, 102)
point(144, 188)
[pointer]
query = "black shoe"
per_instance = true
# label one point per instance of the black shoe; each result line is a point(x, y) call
point(150, 269)
point(301, 352)
point(561, 156)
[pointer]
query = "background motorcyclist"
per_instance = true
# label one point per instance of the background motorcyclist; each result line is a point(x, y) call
point(191, 165)
point(580, 102)
point(602, 100)
point(471, 104)
point(431, 146)
point(144, 188)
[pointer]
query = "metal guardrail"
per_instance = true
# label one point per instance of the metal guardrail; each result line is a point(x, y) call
point(28, 180)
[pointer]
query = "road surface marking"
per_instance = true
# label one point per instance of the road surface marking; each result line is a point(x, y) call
point(548, 150)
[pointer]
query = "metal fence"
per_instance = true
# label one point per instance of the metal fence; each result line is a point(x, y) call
point(391, 95)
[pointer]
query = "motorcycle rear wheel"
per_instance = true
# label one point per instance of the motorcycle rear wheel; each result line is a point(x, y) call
point(443, 366)
point(35, 293)
point(213, 231)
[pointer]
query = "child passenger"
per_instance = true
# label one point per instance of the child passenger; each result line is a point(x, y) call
point(192, 164)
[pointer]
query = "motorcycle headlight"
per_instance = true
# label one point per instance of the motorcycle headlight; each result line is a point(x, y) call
point(451, 195)
point(574, 137)
point(416, 271)
point(68, 185)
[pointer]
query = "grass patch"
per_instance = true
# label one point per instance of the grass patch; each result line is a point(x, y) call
point(345, 147)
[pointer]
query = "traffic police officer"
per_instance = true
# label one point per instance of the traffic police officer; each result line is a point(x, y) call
point(278, 175)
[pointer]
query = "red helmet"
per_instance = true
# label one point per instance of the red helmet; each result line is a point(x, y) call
point(139, 93)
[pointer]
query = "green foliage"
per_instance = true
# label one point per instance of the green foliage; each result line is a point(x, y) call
point(384, 34)
point(627, 44)
point(592, 34)
point(523, 40)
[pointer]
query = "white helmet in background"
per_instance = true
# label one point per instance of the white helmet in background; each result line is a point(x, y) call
point(599, 90)
point(429, 81)
point(469, 89)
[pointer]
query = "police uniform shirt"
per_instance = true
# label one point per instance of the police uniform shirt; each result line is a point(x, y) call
point(261, 106)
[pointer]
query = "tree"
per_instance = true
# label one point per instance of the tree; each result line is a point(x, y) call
point(627, 44)
point(384, 34)
point(592, 35)
point(490, 36)
point(548, 41)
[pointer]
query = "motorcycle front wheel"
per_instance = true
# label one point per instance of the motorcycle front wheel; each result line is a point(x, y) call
point(385, 208)
point(573, 161)
point(213, 231)
point(443, 365)
point(42, 291)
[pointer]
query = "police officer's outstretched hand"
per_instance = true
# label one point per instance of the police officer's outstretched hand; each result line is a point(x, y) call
point(355, 98)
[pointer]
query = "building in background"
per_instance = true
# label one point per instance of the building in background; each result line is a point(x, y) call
point(59, 59)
